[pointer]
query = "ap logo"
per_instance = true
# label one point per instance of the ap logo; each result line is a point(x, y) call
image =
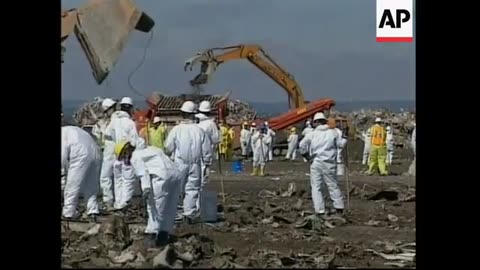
point(394, 20)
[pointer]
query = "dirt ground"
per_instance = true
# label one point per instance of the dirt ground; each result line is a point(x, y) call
point(265, 223)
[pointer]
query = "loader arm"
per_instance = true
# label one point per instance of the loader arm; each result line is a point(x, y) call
point(102, 28)
point(255, 55)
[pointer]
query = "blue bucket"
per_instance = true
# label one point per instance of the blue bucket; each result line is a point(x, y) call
point(237, 167)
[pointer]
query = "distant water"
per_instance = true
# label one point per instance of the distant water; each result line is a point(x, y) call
point(70, 106)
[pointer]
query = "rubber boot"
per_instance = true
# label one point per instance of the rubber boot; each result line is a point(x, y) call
point(162, 239)
point(262, 170)
point(255, 171)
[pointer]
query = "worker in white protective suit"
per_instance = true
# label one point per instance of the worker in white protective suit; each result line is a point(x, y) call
point(207, 123)
point(341, 137)
point(253, 129)
point(191, 147)
point(320, 147)
point(81, 161)
point(390, 145)
point(160, 182)
point(260, 144)
point(123, 129)
point(308, 128)
point(367, 141)
point(272, 135)
point(412, 168)
point(245, 138)
point(106, 173)
point(292, 144)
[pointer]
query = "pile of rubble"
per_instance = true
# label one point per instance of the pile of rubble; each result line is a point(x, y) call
point(89, 112)
point(240, 111)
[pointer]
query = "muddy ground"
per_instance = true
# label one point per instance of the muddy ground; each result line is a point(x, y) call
point(265, 222)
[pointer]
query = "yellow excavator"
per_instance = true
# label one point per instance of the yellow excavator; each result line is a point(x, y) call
point(255, 55)
point(102, 28)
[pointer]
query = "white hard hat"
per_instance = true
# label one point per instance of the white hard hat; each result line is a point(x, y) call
point(387, 128)
point(156, 119)
point(188, 107)
point(308, 122)
point(378, 120)
point(107, 103)
point(253, 124)
point(266, 123)
point(319, 116)
point(126, 100)
point(205, 106)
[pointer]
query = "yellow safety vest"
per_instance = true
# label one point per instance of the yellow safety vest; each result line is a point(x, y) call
point(378, 135)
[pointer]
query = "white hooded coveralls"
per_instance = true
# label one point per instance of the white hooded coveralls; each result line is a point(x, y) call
point(305, 131)
point(157, 172)
point(367, 141)
point(191, 147)
point(271, 134)
point(322, 145)
point(208, 125)
point(245, 137)
point(121, 129)
point(260, 145)
point(81, 160)
point(292, 146)
point(340, 148)
point(390, 146)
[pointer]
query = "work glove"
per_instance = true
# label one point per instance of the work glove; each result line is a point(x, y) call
point(146, 193)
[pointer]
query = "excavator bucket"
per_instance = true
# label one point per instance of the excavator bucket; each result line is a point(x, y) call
point(103, 27)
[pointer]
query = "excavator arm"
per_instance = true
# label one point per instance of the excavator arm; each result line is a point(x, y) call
point(102, 27)
point(255, 55)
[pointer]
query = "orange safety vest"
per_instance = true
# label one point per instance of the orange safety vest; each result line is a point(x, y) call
point(379, 135)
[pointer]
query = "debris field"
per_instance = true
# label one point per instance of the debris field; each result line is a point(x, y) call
point(266, 222)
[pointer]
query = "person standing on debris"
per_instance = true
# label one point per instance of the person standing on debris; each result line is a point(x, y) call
point(157, 133)
point(192, 148)
point(308, 128)
point(411, 169)
point(320, 147)
point(272, 134)
point(378, 148)
point(231, 137)
point(81, 162)
point(292, 144)
point(106, 172)
point(253, 129)
point(366, 146)
point(342, 139)
point(207, 123)
point(223, 146)
point(260, 143)
point(160, 180)
point(123, 129)
point(390, 145)
point(245, 137)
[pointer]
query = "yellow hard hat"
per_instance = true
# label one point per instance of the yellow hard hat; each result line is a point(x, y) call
point(119, 147)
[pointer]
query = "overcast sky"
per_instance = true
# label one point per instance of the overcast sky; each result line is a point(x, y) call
point(328, 45)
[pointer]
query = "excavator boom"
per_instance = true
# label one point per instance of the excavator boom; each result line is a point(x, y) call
point(102, 27)
point(255, 55)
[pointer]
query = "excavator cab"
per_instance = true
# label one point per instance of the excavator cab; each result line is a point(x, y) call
point(102, 27)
